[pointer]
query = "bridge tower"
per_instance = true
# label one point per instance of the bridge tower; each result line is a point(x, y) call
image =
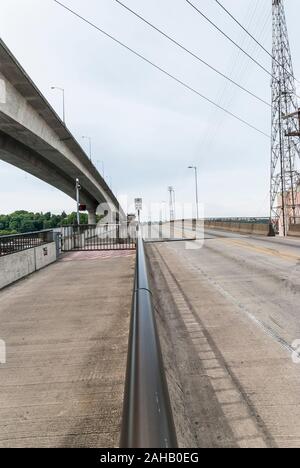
point(285, 153)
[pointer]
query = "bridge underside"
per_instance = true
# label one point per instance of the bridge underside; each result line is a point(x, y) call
point(59, 176)
point(35, 139)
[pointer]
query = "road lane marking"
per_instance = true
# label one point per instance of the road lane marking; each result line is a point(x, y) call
point(263, 250)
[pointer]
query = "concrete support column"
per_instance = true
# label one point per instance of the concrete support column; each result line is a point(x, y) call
point(92, 217)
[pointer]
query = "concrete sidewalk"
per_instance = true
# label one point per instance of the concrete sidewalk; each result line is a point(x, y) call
point(66, 331)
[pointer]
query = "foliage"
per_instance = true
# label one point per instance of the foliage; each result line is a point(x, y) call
point(7, 233)
point(24, 221)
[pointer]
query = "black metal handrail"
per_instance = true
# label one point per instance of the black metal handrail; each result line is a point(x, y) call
point(147, 414)
point(98, 237)
point(14, 243)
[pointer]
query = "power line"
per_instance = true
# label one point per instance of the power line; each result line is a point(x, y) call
point(243, 27)
point(252, 37)
point(193, 54)
point(161, 69)
point(229, 38)
point(237, 70)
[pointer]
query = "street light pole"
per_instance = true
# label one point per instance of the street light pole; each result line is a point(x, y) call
point(103, 172)
point(63, 97)
point(174, 201)
point(196, 184)
point(90, 145)
point(78, 200)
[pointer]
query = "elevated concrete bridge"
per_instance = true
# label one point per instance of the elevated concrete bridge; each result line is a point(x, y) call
point(35, 139)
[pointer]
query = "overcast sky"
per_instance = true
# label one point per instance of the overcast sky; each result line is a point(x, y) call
point(145, 127)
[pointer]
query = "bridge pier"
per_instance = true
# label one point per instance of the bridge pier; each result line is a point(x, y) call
point(92, 216)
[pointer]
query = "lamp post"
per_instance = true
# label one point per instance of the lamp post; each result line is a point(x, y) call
point(196, 184)
point(102, 163)
point(63, 97)
point(78, 187)
point(90, 145)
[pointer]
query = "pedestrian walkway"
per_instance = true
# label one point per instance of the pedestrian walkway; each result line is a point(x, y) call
point(66, 333)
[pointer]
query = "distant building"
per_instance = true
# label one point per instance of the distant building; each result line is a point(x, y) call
point(292, 216)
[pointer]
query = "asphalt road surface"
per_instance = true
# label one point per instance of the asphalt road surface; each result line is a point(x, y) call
point(228, 315)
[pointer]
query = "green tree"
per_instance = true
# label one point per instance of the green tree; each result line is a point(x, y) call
point(25, 221)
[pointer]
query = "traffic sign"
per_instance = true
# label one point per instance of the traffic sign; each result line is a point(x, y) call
point(138, 204)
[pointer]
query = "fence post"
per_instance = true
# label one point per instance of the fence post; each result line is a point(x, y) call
point(118, 234)
point(57, 240)
point(48, 236)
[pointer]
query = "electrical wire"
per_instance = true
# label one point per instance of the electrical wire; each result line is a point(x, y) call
point(254, 38)
point(229, 38)
point(238, 68)
point(190, 88)
point(192, 53)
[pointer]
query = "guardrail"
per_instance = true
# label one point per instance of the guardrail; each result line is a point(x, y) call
point(256, 220)
point(18, 242)
point(98, 237)
point(147, 414)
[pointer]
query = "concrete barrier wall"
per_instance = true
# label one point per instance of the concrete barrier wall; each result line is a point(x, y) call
point(45, 255)
point(242, 228)
point(20, 264)
point(294, 230)
point(261, 229)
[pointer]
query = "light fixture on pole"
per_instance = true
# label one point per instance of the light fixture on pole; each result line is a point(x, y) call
point(196, 183)
point(90, 145)
point(64, 104)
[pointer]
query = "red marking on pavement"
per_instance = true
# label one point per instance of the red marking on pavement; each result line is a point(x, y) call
point(94, 255)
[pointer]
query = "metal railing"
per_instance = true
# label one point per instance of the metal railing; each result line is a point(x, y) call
point(262, 220)
point(182, 229)
point(147, 414)
point(19, 242)
point(98, 237)
point(294, 220)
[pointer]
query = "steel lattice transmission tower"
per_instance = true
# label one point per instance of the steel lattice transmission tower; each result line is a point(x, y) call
point(285, 127)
